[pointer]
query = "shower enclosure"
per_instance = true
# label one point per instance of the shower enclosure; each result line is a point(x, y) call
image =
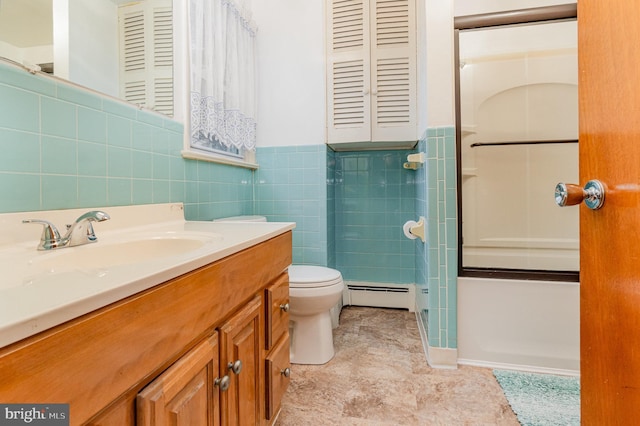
point(517, 137)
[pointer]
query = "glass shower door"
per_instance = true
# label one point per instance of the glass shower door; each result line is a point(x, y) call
point(518, 138)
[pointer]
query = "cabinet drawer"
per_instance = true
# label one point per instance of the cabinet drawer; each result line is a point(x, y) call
point(278, 370)
point(277, 310)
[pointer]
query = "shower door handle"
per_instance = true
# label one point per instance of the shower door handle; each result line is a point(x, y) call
point(568, 194)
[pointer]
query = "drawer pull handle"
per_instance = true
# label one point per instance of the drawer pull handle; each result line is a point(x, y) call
point(286, 372)
point(236, 367)
point(285, 307)
point(223, 383)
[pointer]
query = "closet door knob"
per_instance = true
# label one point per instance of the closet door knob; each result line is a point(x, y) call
point(567, 194)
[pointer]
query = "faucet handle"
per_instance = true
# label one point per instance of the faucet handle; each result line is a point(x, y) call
point(50, 238)
point(81, 231)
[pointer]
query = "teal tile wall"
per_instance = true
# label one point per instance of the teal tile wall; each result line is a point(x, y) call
point(216, 190)
point(291, 185)
point(331, 208)
point(349, 208)
point(437, 261)
point(65, 147)
point(421, 260)
point(374, 197)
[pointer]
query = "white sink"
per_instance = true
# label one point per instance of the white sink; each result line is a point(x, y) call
point(103, 255)
point(138, 248)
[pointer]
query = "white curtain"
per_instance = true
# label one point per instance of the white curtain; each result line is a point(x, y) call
point(223, 75)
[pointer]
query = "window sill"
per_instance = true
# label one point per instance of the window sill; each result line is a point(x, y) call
point(192, 155)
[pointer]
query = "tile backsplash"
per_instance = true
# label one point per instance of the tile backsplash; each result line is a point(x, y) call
point(291, 185)
point(66, 147)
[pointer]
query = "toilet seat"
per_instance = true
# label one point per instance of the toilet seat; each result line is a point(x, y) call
point(308, 276)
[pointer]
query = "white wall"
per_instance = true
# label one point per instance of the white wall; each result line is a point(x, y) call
point(421, 28)
point(440, 72)
point(93, 45)
point(291, 67)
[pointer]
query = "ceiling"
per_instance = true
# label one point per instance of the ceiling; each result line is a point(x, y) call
point(26, 23)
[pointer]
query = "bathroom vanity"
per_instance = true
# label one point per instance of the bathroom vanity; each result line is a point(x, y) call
point(209, 345)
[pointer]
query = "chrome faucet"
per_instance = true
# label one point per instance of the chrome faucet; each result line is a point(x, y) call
point(79, 233)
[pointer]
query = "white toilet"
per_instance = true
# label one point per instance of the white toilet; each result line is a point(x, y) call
point(315, 293)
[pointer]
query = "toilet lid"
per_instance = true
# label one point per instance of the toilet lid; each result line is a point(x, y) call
point(313, 276)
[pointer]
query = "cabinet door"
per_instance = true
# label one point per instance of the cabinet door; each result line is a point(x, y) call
point(348, 71)
point(371, 69)
point(185, 393)
point(241, 344)
point(393, 70)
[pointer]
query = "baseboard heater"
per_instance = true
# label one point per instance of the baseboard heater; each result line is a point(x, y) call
point(380, 295)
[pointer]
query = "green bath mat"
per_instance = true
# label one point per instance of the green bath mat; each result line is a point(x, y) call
point(541, 399)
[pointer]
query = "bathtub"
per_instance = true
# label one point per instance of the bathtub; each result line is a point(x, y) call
point(518, 324)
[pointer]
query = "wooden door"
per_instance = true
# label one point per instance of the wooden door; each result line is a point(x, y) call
point(184, 395)
point(609, 102)
point(242, 339)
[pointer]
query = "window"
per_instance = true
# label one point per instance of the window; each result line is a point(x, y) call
point(222, 79)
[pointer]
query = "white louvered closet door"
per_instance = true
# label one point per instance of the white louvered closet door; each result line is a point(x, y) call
point(393, 70)
point(146, 54)
point(371, 70)
point(349, 81)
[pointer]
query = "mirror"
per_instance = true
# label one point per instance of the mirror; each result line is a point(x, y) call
point(120, 48)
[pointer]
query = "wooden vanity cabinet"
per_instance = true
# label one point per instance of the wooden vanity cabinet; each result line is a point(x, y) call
point(154, 357)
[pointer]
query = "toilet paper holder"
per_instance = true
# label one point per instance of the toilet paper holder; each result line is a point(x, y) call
point(414, 229)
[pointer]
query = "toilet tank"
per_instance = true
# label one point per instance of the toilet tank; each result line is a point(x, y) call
point(247, 218)
point(335, 311)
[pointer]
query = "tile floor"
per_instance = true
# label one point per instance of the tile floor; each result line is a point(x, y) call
point(379, 376)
